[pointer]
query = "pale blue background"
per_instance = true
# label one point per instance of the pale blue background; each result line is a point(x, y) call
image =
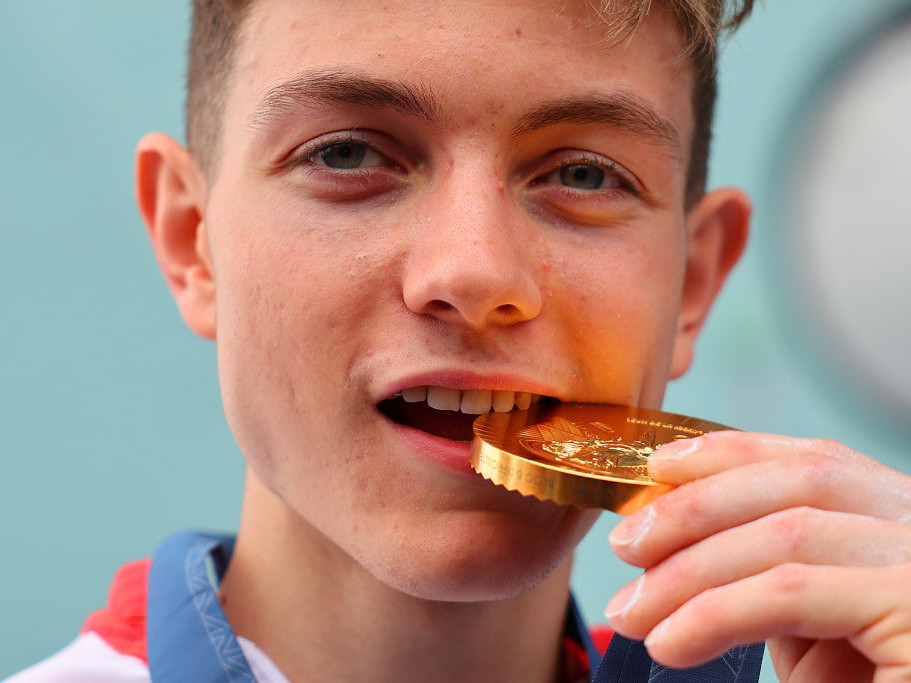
point(111, 433)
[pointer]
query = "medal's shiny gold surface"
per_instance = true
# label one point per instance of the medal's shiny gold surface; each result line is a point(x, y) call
point(583, 454)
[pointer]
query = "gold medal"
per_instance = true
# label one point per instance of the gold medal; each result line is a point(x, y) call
point(584, 454)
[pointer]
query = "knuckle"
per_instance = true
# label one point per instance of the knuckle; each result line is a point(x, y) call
point(825, 445)
point(693, 507)
point(817, 471)
point(832, 448)
point(685, 505)
point(792, 528)
point(681, 568)
point(705, 608)
point(789, 581)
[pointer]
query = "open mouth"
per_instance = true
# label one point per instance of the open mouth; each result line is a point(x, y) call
point(449, 413)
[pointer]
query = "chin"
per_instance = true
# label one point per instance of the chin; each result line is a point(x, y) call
point(480, 560)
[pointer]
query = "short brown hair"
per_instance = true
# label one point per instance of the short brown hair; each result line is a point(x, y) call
point(216, 23)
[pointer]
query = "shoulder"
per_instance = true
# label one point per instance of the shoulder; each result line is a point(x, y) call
point(112, 643)
point(87, 658)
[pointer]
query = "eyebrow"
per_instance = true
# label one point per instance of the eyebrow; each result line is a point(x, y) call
point(618, 109)
point(312, 88)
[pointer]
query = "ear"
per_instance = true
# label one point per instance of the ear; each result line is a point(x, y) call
point(717, 229)
point(170, 193)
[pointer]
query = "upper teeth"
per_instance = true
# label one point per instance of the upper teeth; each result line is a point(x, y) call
point(470, 401)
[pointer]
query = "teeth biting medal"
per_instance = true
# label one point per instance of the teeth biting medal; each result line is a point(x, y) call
point(583, 454)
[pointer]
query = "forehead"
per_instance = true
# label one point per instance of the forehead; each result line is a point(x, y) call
point(476, 59)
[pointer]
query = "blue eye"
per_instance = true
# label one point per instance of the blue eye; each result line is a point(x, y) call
point(345, 155)
point(582, 176)
point(586, 176)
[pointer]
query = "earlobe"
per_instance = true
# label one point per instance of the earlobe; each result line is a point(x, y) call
point(170, 194)
point(717, 228)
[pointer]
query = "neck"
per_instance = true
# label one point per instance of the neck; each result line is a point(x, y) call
point(320, 616)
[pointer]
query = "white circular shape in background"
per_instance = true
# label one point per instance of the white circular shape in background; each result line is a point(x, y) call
point(848, 218)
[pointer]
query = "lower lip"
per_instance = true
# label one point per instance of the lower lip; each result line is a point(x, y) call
point(454, 455)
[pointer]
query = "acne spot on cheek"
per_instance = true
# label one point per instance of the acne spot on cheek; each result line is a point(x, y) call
point(518, 32)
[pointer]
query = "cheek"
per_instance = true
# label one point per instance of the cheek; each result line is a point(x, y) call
point(289, 317)
point(622, 320)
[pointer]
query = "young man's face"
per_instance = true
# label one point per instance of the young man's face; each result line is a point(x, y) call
point(474, 196)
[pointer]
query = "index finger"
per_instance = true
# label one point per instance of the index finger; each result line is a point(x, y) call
point(681, 461)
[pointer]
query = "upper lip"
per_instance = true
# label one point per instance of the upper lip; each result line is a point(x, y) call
point(457, 379)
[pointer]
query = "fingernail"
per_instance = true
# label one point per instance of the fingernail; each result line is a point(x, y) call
point(676, 450)
point(621, 603)
point(630, 531)
point(657, 634)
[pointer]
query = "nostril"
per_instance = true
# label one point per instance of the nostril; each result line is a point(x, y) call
point(439, 306)
point(507, 312)
point(502, 314)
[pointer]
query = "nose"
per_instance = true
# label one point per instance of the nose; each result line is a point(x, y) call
point(471, 263)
